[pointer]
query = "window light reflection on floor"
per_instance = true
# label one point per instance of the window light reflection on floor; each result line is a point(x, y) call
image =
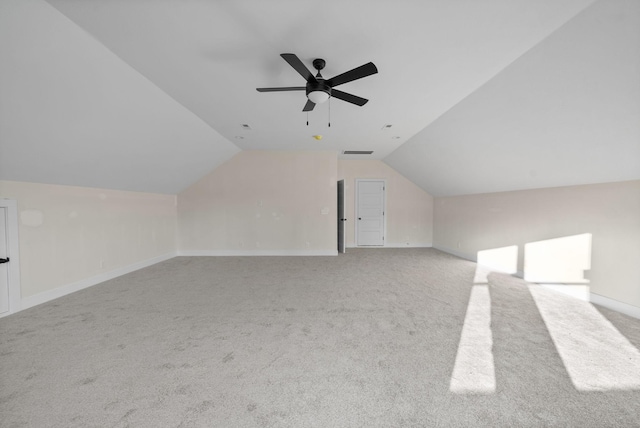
point(595, 354)
point(474, 372)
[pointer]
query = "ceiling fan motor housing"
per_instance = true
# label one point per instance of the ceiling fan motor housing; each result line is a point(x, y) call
point(319, 85)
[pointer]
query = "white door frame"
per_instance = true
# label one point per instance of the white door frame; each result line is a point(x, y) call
point(384, 210)
point(14, 254)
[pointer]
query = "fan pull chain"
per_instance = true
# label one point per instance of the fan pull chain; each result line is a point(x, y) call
point(329, 111)
point(307, 118)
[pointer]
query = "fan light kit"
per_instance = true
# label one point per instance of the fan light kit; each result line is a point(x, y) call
point(318, 97)
point(319, 90)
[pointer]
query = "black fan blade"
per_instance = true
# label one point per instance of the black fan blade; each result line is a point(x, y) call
point(309, 106)
point(355, 74)
point(350, 98)
point(295, 62)
point(284, 88)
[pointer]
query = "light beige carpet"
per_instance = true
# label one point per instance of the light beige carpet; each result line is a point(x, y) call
point(371, 338)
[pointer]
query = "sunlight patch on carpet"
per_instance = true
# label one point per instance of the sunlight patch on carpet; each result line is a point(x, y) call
point(474, 372)
point(595, 354)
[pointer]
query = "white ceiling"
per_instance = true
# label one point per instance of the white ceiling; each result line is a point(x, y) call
point(175, 67)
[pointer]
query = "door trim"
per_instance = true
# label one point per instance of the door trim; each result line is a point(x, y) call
point(14, 254)
point(384, 210)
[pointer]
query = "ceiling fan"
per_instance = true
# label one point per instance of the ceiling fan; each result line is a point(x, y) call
point(319, 89)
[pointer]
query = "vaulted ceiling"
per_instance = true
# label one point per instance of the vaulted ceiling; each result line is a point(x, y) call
point(482, 96)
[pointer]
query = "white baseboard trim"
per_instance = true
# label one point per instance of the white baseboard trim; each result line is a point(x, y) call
point(225, 253)
point(47, 296)
point(474, 259)
point(616, 305)
point(405, 245)
point(471, 258)
point(393, 246)
point(577, 291)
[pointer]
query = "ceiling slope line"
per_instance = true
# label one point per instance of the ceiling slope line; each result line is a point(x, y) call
point(486, 144)
point(95, 39)
point(499, 72)
point(105, 124)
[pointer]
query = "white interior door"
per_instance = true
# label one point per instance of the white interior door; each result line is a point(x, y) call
point(4, 266)
point(370, 212)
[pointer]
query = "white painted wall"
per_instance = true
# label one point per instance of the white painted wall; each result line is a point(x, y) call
point(262, 202)
point(609, 212)
point(71, 234)
point(409, 209)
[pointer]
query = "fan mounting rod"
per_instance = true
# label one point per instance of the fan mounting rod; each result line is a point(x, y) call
point(319, 64)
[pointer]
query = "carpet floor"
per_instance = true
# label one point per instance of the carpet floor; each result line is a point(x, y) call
point(371, 338)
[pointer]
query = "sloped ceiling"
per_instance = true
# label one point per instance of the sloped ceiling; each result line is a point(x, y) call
point(151, 95)
point(567, 112)
point(71, 112)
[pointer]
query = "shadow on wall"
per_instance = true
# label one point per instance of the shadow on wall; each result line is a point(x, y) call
point(596, 356)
